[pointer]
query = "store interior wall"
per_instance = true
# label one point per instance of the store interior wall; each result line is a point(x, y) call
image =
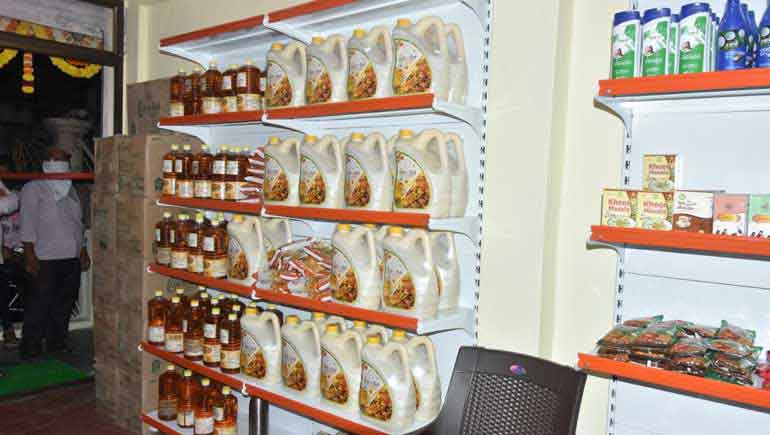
point(549, 154)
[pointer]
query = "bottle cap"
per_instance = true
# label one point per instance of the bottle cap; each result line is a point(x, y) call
point(292, 320)
point(186, 147)
point(333, 329)
point(170, 367)
point(214, 302)
point(216, 310)
point(179, 291)
point(253, 305)
point(276, 46)
point(226, 390)
point(271, 306)
point(274, 140)
point(310, 138)
point(199, 218)
point(188, 373)
point(404, 22)
point(174, 147)
point(237, 308)
point(238, 218)
point(204, 295)
point(205, 382)
point(395, 231)
point(357, 136)
point(194, 303)
point(158, 293)
point(371, 226)
point(215, 222)
point(317, 40)
point(223, 148)
point(399, 334)
point(319, 316)
point(167, 215)
point(232, 316)
point(204, 147)
point(213, 64)
point(359, 33)
point(359, 324)
point(249, 62)
point(175, 300)
point(251, 311)
point(405, 133)
point(343, 227)
point(235, 150)
point(373, 339)
point(235, 65)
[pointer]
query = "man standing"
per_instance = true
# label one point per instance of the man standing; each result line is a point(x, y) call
point(9, 203)
point(54, 254)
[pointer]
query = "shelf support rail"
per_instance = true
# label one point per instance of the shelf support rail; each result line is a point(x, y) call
point(287, 29)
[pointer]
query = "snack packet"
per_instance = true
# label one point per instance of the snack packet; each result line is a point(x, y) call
point(620, 336)
point(736, 333)
point(643, 322)
point(613, 353)
point(730, 348)
point(695, 330)
point(661, 334)
point(688, 346)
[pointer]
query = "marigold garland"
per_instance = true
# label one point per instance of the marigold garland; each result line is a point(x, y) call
point(7, 55)
point(77, 70)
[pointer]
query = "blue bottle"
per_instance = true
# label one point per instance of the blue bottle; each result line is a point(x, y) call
point(755, 34)
point(749, 35)
point(733, 40)
point(763, 53)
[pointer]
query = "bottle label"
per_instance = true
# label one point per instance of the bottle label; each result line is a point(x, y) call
point(218, 167)
point(188, 85)
point(227, 83)
point(192, 239)
point(215, 268)
point(202, 188)
point(157, 235)
point(172, 236)
point(212, 353)
point(233, 191)
point(624, 50)
point(252, 359)
point(278, 92)
point(334, 385)
point(692, 44)
point(185, 418)
point(249, 102)
point(219, 413)
point(167, 409)
point(212, 105)
point(344, 282)
point(319, 84)
point(362, 79)
point(168, 166)
point(208, 244)
point(210, 331)
point(242, 80)
point(412, 188)
point(312, 187)
point(375, 400)
point(174, 342)
point(398, 288)
point(732, 49)
point(230, 104)
point(179, 260)
point(175, 108)
point(231, 359)
point(227, 430)
point(358, 193)
point(412, 73)
point(184, 326)
point(292, 368)
point(239, 263)
point(763, 59)
point(204, 425)
point(655, 47)
point(185, 189)
point(224, 336)
point(232, 168)
point(156, 334)
point(193, 347)
point(219, 190)
point(163, 256)
point(276, 183)
point(169, 186)
point(195, 263)
point(179, 166)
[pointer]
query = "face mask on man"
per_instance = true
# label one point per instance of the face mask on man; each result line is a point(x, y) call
point(55, 167)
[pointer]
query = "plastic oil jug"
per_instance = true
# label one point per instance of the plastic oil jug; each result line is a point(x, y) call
point(276, 232)
point(423, 178)
point(458, 65)
point(281, 171)
point(459, 173)
point(327, 70)
point(355, 276)
point(421, 58)
point(409, 283)
point(341, 368)
point(322, 172)
point(387, 395)
point(261, 346)
point(361, 328)
point(286, 75)
point(245, 252)
point(322, 321)
point(301, 359)
point(447, 269)
point(370, 61)
point(368, 180)
point(424, 367)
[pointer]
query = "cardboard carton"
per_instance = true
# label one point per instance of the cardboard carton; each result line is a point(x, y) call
point(147, 102)
point(135, 226)
point(106, 164)
point(140, 162)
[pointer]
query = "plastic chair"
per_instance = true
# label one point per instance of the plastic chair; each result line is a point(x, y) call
point(501, 393)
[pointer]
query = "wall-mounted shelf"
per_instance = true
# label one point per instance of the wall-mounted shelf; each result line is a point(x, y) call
point(682, 241)
point(25, 176)
point(667, 86)
point(253, 117)
point(171, 428)
point(657, 378)
point(445, 321)
point(212, 204)
point(279, 396)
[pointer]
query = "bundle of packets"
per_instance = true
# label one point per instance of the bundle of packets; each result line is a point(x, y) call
point(304, 268)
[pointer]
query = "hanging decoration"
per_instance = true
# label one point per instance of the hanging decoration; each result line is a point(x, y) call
point(28, 75)
point(75, 68)
point(7, 55)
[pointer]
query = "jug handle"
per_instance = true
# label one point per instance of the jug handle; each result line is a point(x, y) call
point(340, 50)
point(359, 342)
point(286, 230)
point(299, 55)
point(431, 135)
point(316, 336)
point(382, 38)
point(425, 240)
point(334, 144)
point(276, 328)
point(372, 248)
point(430, 350)
point(439, 43)
point(381, 145)
point(454, 33)
point(457, 143)
point(404, 357)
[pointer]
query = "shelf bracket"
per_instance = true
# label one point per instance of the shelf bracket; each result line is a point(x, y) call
point(479, 7)
point(619, 109)
point(467, 226)
point(201, 132)
point(287, 29)
point(469, 115)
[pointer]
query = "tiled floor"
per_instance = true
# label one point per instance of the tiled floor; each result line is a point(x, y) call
point(63, 411)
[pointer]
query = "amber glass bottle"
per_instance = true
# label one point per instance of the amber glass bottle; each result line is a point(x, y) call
point(197, 99)
point(226, 413)
point(179, 251)
point(157, 311)
point(249, 93)
point(174, 340)
point(183, 299)
point(193, 336)
point(214, 252)
point(202, 169)
point(169, 170)
point(205, 299)
point(176, 95)
point(168, 393)
point(231, 173)
point(195, 245)
point(188, 97)
point(204, 408)
point(229, 93)
point(219, 173)
point(212, 350)
point(211, 90)
point(230, 338)
point(188, 389)
point(184, 178)
point(237, 167)
point(236, 306)
point(163, 230)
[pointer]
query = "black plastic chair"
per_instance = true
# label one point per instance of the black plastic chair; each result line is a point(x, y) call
point(502, 393)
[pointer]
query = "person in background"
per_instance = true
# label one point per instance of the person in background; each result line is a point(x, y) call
point(54, 255)
point(9, 203)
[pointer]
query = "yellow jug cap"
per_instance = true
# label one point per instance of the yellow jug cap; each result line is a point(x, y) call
point(311, 138)
point(232, 316)
point(186, 147)
point(235, 149)
point(405, 133)
point(179, 291)
point(238, 218)
point(204, 295)
point(357, 136)
point(359, 324)
point(158, 293)
point(223, 148)
point(204, 147)
point(333, 329)
point(359, 33)
point(205, 382)
point(343, 227)
point(214, 302)
point(292, 320)
point(237, 308)
point(252, 305)
point(194, 303)
point(199, 217)
point(249, 62)
point(396, 231)
point(399, 333)
point(271, 306)
point(319, 316)
point(404, 22)
point(170, 367)
point(174, 147)
point(371, 226)
point(373, 339)
point(175, 300)
point(167, 214)
point(188, 373)
point(318, 40)
point(251, 311)
point(216, 310)
point(276, 46)
point(213, 64)
point(274, 140)
point(226, 390)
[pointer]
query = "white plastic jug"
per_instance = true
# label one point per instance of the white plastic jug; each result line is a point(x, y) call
point(409, 282)
point(322, 172)
point(387, 396)
point(368, 179)
point(424, 367)
point(379, 242)
point(341, 368)
point(458, 65)
point(245, 252)
point(355, 276)
point(361, 328)
point(447, 269)
point(276, 232)
point(322, 321)
point(459, 172)
point(261, 346)
point(281, 185)
point(327, 70)
point(423, 181)
point(301, 358)
point(421, 58)
point(370, 59)
point(286, 75)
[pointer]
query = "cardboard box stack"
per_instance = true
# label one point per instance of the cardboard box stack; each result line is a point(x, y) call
point(124, 212)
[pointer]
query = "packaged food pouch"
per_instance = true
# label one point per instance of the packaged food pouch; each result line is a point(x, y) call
point(643, 322)
point(695, 330)
point(673, 323)
point(735, 367)
point(692, 364)
point(736, 333)
point(688, 346)
point(730, 348)
point(650, 362)
point(649, 353)
point(657, 335)
point(620, 336)
point(717, 376)
point(614, 353)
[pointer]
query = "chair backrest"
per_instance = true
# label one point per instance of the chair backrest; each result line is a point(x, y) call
point(502, 393)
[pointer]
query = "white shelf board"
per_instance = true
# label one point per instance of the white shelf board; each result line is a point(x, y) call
point(243, 424)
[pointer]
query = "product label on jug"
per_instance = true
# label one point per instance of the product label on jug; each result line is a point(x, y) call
point(312, 187)
point(192, 240)
point(163, 256)
point(231, 359)
point(227, 430)
point(276, 184)
point(412, 188)
point(319, 83)
point(412, 73)
point(174, 342)
point(252, 359)
point(374, 397)
point(219, 413)
point(218, 167)
point(219, 190)
point(239, 264)
point(169, 186)
point(179, 259)
point(212, 353)
point(168, 166)
point(249, 102)
point(202, 189)
point(230, 104)
point(242, 80)
point(693, 33)
point(157, 235)
point(212, 105)
point(204, 425)
point(175, 108)
point(732, 49)
point(624, 50)
point(358, 193)
point(167, 409)
point(362, 79)
point(179, 166)
point(156, 334)
point(655, 46)
point(227, 83)
point(398, 288)
point(334, 385)
point(193, 347)
point(278, 92)
point(195, 263)
point(185, 189)
point(344, 282)
point(215, 267)
point(292, 368)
